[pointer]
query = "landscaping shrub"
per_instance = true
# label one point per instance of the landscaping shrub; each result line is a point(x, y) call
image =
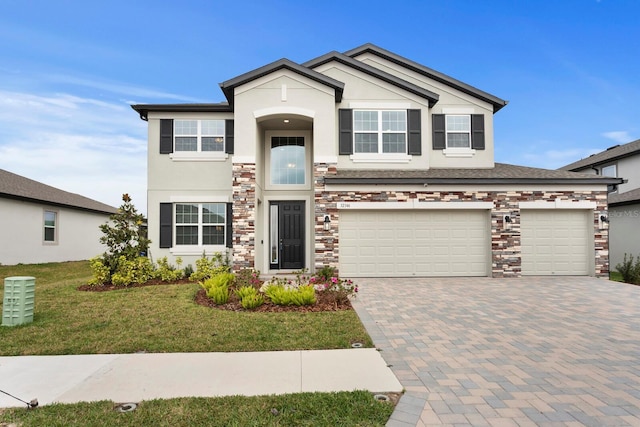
point(139, 270)
point(167, 272)
point(629, 270)
point(100, 272)
point(249, 277)
point(290, 295)
point(249, 302)
point(217, 287)
point(206, 268)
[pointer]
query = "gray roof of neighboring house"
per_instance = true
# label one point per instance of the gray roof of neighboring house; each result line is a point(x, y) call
point(18, 187)
point(610, 154)
point(627, 198)
point(501, 174)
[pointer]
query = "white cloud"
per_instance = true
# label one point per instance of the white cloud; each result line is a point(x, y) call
point(619, 136)
point(82, 145)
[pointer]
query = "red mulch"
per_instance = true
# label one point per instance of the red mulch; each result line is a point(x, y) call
point(325, 300)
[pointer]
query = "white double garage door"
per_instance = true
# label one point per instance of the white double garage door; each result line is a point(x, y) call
point(432, 243)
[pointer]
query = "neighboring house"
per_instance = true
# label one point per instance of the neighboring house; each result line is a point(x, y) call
point(44, 224)
point(368, 162)
point(622, 161)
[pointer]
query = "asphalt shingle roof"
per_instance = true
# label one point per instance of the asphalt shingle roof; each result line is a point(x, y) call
point(610, 154)
point(501, 173)
point(18, 187)
point(626, 198)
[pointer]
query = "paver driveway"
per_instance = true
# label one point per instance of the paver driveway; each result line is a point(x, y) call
point(552, 351)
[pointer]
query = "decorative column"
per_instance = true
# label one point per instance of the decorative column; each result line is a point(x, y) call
point(326, 244)
point(244, 216)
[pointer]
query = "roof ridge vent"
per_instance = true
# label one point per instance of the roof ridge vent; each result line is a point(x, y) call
point(615, 146)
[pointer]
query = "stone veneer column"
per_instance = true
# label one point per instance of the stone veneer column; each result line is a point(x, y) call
point(326, 243)
point(244, 216)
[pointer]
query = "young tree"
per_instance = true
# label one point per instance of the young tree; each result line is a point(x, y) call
point(124, 235)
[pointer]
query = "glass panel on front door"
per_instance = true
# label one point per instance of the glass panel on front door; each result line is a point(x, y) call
point(286, 235)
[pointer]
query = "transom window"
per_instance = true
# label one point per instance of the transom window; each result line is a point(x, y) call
point(198, 135)
point(200, 223)
point(50, 222)
point(458, 131)
point(288, 160)
point(383, 131)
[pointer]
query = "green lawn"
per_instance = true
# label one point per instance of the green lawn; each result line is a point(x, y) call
point(157, 319)
point(165, 319)
point(304, 409)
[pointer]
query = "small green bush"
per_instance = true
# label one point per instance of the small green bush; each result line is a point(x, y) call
point(629, 270)
point(245, 291)
point(167, 272)
point(101, 274)
point(249, 277)
point(219, 294)
point(282, 295)
point(249, 302)
point(206, 268)
point(139, 270)
point(217, 287)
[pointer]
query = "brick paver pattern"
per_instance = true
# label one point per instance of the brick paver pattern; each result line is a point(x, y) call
point(543, 351)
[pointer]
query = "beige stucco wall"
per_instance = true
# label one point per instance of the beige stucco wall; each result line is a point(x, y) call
point(360, 87)
point(629, 169)
point(624, 232)
point(22, 238)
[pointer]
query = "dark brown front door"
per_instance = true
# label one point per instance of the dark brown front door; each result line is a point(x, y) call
point(288, 250)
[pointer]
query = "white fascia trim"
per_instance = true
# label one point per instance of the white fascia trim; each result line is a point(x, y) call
point(199, 199)
point(199, 157)
point(380, 158)
point(380, 105)
point(459, 152)
point(325, 159)
point(265, 112)
point(414, 204)
point(558, 204)
point(197, 250)
point(244, 159)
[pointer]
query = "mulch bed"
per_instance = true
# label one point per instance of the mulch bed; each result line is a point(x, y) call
point(325, 300)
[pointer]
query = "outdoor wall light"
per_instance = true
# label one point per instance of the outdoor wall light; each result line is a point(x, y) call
point(604, 218)
point(327, 222)
point(507, 219)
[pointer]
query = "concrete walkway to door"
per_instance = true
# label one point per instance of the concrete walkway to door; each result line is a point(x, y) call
point(552, 351)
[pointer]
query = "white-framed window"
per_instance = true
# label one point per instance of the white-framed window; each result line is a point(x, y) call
point(50, 233)
point(609, 171)
point(458, 130)
point(200, 224)
point(288, 160)
point(198, 135)
point(380, 131)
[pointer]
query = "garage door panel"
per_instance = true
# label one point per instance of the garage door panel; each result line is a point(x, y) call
point(556, 242)
point(414, 243)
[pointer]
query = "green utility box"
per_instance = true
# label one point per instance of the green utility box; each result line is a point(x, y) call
point(19, 300)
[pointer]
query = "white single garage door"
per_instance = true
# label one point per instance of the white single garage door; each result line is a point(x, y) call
point(556, 242)
point(414, 243)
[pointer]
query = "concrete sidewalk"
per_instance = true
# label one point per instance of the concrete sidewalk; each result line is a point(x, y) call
point(144, 376)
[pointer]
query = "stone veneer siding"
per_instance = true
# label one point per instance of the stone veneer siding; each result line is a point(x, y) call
point(244, 216)
point(505, 241)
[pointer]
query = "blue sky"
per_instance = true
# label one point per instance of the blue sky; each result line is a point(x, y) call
point(69, 71)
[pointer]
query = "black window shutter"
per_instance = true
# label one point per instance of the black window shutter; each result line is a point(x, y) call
point(415, 128)
point(166, 225)
point(345, 119)
point(439, 132)
point(477, 131)
point(228, 136)
point(166, 136)
point(229, 230)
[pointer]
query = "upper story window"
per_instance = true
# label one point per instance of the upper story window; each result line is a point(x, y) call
point(609, 171)
point(199, 135)
point(383, 131)
point(458, 131)
point(288, 160)
point(50, 226)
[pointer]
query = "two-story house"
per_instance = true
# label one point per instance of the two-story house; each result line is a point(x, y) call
point(621, 161)
point(368, 162)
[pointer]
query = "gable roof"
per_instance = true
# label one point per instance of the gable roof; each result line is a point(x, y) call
point(428, 72)
point(372, 71)
point(143, 109)
point(500, 174)
point(18, 187)
point(609, 155)
point(229, 85)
